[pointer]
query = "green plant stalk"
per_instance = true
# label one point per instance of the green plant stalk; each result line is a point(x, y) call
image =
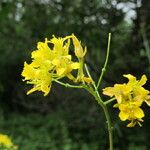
point(80, 71)
point(109, 126)
point(97, 97)
point(94, 92)
point(106, 61)
point(68, 85)
point(109, 101)
point(107, 115)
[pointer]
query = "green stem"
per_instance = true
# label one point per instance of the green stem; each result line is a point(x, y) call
point(68, 85)
point(109, 127)
point(109, 101)
point(80, 70)
point(107, 115)
point(94, 91)
point(97, 97)
point(93, 83)
point(106, 61)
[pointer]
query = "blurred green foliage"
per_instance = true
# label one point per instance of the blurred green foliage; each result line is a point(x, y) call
point(55, 132)
point(73, 121)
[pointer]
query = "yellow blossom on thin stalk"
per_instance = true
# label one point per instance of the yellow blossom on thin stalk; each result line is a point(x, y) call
point(80, 52)
point(130, 97)
point(53, 63)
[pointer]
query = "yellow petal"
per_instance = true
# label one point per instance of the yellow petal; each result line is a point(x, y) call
point(28, 71)
point(37, 88)
point(124, 107)
point(109, 91)
point(45, 89)
point(130, 77)
point(58, 44)
point(75, 65)
point(66, 47)
point(78, 48)
point(68, 57)
point(143, 80)
point(43, 52)
point(138, 113)
point(56, 62)
point(87, 80)
point(61, 71)
point(123, 115)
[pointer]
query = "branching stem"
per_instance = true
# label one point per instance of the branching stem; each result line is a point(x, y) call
point(97, 97)
point(93, 90)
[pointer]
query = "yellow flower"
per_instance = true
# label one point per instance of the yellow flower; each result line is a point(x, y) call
point(6, 141)
point(79, 52)
point(130, 111)
point(130, 96)
point(64, 65)
point(49, 63)
point(120, 91)
point(39, 77)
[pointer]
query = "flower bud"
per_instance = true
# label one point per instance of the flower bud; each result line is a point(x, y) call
point(79, 52)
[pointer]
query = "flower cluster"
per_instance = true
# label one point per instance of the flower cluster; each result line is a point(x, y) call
point(52, 61)
point(6, 143)
point(130, 97)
